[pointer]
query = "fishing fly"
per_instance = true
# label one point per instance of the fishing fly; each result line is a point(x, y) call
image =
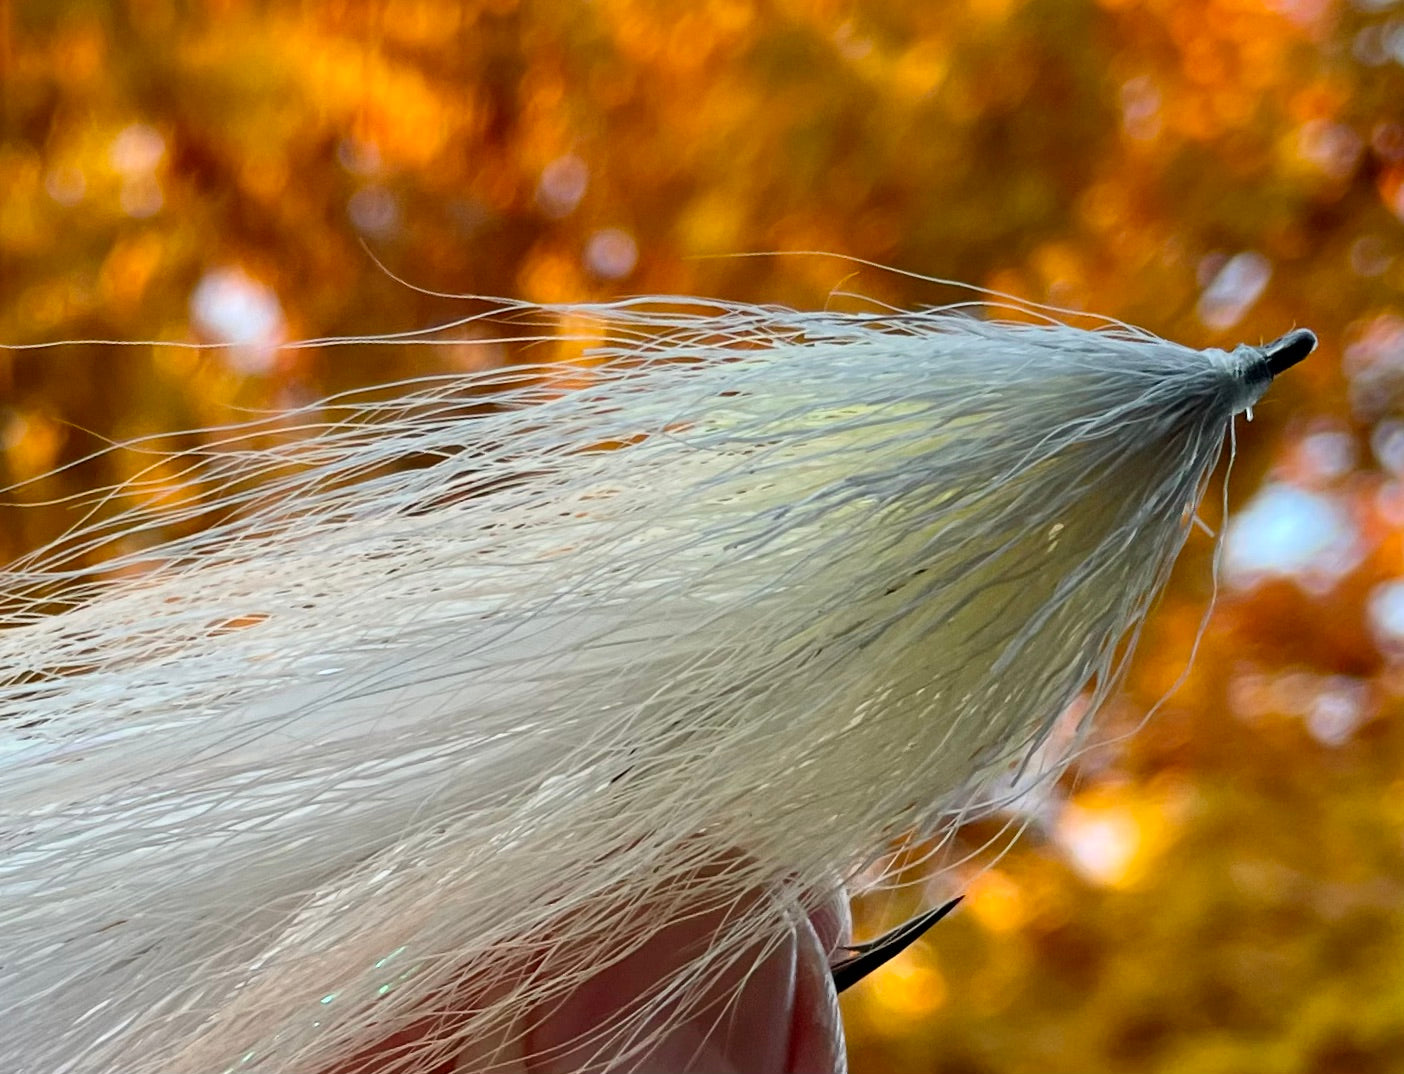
point(501, 673)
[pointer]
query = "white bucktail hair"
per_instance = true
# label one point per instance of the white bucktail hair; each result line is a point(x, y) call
point(455, 680)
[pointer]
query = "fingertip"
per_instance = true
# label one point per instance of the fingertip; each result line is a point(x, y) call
point(832, 921)
point(816, 1034)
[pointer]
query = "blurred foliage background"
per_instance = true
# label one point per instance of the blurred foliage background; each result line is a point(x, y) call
point(1219, 886)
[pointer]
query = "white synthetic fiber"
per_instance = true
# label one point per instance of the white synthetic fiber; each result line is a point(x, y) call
point(453, 681)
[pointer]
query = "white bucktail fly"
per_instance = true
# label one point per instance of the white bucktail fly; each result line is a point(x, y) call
point(502, 675)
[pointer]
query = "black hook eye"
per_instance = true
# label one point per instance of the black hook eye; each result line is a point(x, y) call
point(1282, 354)
point(886, 947)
